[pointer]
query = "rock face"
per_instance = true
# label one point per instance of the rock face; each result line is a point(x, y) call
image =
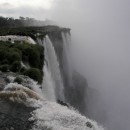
point(14, 116)
point(76, 95)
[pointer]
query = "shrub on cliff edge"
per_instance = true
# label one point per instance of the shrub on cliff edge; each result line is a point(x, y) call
point(34, 74)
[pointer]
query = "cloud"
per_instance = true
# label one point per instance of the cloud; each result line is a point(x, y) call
point(36, 8)
point(6, 5)
point(26, 11)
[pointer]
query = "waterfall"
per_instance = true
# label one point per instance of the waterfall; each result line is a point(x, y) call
point(48, 87)
point(67, 62)
point(52, 66)
point(39, 41)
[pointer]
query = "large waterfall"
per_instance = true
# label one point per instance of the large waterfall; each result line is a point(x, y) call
point(67, 68)
point(52, 66)
point(51, 115)
point(44, 111)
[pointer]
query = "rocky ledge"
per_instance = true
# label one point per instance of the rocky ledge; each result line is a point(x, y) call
point(15, 110)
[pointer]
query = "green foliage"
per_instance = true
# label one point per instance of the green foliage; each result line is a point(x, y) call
point(34, 74)
point(28, 53)
point(11, 55)
point(11, 22)
point(16, 66)
point(14, 56)
point(4, 68)
point(18, 80)
point(33, 56)
point(5, 61)
point(22, 70)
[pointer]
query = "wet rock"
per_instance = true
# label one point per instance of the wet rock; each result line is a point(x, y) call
point(62, 103)
point(14, 116)
point(88, 124)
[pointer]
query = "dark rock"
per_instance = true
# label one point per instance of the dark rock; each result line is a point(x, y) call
point(88, 124)
point(75, 95)
point(14, 116)
point(62, 103)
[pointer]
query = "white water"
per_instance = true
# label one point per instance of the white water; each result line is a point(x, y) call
point(17, 38)
point(48, 87)
point(52, 116)
point(34, 85)
point(39, 41)
point(48, 115)
point(67, 61)
point(53, 67)
point(18, 93)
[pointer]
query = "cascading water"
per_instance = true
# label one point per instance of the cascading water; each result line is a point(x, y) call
point(39, 41)
point(52, 66)
point(52, 116)
point(67, 66)
point(48, 85)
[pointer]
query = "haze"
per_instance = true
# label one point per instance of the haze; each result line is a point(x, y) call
point(101, 49)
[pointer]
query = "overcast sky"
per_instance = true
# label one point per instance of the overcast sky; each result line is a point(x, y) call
point(30, 8)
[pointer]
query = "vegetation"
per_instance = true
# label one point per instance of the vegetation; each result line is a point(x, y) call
point(11, 55)
point(4, 68)
point(18, 80)
point(34, 73)
point(16, 66)
point(21, 22)
point(29, 27)
point(34, 32)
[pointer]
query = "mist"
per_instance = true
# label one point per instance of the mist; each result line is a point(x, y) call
point(101, 50)
point(100, 32)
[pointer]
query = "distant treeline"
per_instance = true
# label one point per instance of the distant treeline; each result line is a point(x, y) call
point(22, 22)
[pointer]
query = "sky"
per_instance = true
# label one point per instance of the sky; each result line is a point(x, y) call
point(101, 36)
point(27, 8)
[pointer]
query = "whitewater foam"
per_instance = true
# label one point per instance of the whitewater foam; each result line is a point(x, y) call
point(52, 116)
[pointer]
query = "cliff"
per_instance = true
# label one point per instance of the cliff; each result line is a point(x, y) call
point(25, 52)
